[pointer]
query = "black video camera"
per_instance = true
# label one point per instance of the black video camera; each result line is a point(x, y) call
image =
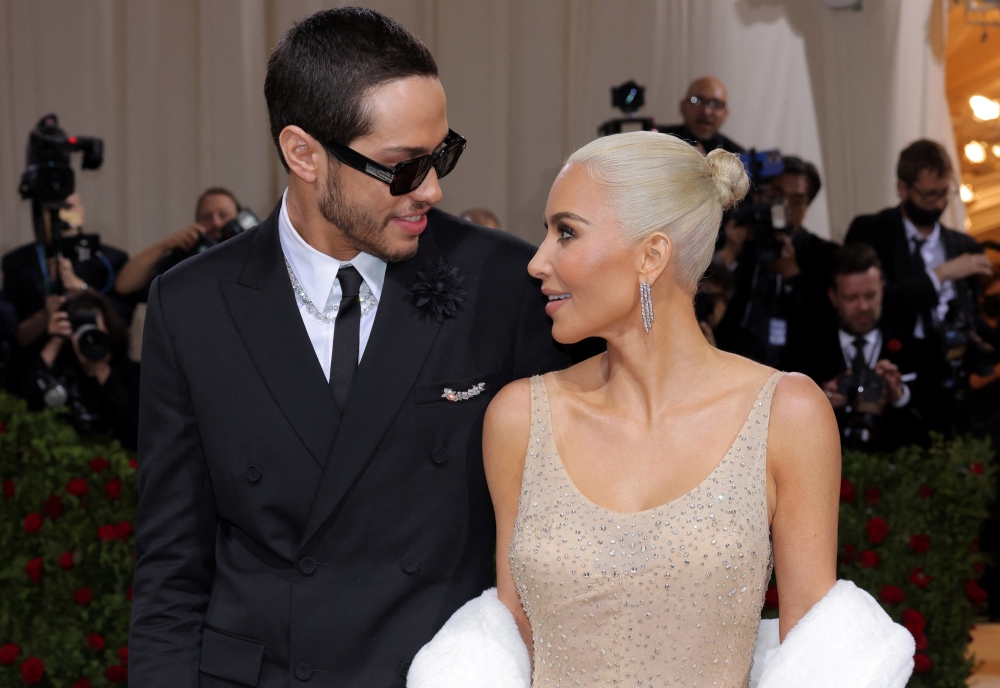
point(765, 215)
point(865, 391)
point(49, 177)
point(628, 98)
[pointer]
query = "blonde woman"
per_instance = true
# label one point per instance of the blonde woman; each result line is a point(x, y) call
point(641, 496)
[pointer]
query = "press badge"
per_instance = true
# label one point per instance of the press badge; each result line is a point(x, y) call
point(777, 332)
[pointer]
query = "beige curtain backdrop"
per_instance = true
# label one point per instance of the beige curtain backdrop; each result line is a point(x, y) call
point(175, 89)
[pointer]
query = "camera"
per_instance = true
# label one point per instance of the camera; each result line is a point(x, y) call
point(766, 221)
point(628, 98)
point(865, 391)
point(243, 221)
point(49, 176)
point(94, 343)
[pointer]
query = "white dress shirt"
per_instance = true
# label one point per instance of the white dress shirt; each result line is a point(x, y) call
point(933, 254)
point(873, 347)
point(317, 273)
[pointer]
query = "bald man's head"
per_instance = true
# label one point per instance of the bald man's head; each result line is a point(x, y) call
point(704, 107)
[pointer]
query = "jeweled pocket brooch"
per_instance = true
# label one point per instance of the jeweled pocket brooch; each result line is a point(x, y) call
point(452, 395)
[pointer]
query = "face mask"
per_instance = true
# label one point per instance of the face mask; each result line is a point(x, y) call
point(919, 216)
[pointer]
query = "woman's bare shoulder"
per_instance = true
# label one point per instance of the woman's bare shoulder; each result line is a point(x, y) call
point(505, 435)
point(803, 428)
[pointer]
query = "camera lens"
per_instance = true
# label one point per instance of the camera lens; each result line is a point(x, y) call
point(94, 344)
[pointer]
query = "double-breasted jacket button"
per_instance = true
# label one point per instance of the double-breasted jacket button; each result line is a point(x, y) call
point(308, 567)
point(439, 455)
point(403, 669)
point(303, 671)
point(410, 565)
point(253, 474)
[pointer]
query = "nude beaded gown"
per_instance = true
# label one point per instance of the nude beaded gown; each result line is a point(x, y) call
point(670, 596)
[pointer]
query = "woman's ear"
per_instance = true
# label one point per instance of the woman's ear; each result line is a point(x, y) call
point(302, 152)
point(657, 253)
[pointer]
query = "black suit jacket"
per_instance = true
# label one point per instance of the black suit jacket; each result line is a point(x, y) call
point(281, 540)
point(718, 141)
point(909, 292)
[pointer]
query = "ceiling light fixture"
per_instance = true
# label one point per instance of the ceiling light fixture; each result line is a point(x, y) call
point(965, 193)
point(975, 152)
point(984, 108)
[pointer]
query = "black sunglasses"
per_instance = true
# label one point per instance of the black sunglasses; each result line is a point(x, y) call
point(405, 176)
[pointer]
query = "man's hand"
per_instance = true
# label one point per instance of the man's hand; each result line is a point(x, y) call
point(70, 281)
point(53, 303)
point(889, 372)
point(59, 325)
point(832, 389)
point(786, 264)
point(185, 238)
point(965, 265)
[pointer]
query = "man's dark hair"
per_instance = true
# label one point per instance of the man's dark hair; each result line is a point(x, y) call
point(795, 165)
point(321, 71)
point(214, 191)
point(922, 155)
point(855, 258)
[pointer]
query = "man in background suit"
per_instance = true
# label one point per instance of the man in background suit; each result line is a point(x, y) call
point(857, 341)
point(926, 265)
point(704, 110)
point(312, 501)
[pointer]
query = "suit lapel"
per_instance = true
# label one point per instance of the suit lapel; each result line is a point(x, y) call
point(399, 343)
point(900, 246)
point(263, 307)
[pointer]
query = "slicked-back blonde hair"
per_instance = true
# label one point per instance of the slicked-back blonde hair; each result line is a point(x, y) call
point(659, 183)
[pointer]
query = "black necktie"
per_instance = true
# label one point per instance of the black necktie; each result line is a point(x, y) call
point(860, 362)
point(918, 257)
point(346, 335)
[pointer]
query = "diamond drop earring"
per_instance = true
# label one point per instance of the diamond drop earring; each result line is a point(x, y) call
point(646, 304)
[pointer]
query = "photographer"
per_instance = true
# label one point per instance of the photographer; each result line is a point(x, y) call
point(704, 111)
point(215, 209)
point(781, 274)
point(862, 366)
point(39, 277)
point(927, 265)
point(84, 366)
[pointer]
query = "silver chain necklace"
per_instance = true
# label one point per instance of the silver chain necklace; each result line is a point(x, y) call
point(366, 298)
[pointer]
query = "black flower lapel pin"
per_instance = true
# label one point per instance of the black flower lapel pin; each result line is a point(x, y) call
point(438, 291)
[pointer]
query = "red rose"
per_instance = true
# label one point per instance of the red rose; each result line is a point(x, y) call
point(95, 642)
point(894, 345)
point(107, 533)
point(133, 464)
point(99, 464)
point(976, 469)
point(123, 529)
point(871, 496)
point(876, 529)
point(920, 641)
point(914, 621)
point(890, 594)
point(771, 598)
point(66, 560)
point(920, 579)
point(34, 569)
point(920, 543)
point(113, 488)
point(974, 545)
point(922, 663)
point(974, 592)
point(82, 596)
point(926, 491)
point(81, 683)
point(77, 487)
point(53, 507)
point(9, 653)
point(869, 559)
point(850, 551)
point(116, 674)
point(123, 655)
point(3, 427)
point(32, 670)
point(128, 594)
point(9, 489)
point(847, 493)
point(33, 522)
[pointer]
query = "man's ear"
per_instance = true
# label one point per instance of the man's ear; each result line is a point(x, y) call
point(832, 295)
point(657, 252)
point(303, 154)
point(901, 189)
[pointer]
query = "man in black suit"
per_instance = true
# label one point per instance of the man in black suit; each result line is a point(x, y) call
point(305, 517)
point(858, 352)
point(704, 111)
point(927, 266)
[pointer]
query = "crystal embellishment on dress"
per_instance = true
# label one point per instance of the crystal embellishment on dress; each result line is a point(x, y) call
point(452, 395)
point(670, 596)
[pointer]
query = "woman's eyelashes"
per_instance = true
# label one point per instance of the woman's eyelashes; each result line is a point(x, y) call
point(565, 231)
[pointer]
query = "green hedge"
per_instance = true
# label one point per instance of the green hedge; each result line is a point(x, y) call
point(66, 517)
point(908, 525)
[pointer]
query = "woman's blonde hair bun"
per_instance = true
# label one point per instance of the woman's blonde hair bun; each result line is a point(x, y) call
point(729, 175)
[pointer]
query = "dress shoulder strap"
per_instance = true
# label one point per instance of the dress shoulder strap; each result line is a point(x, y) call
point(763, 403)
